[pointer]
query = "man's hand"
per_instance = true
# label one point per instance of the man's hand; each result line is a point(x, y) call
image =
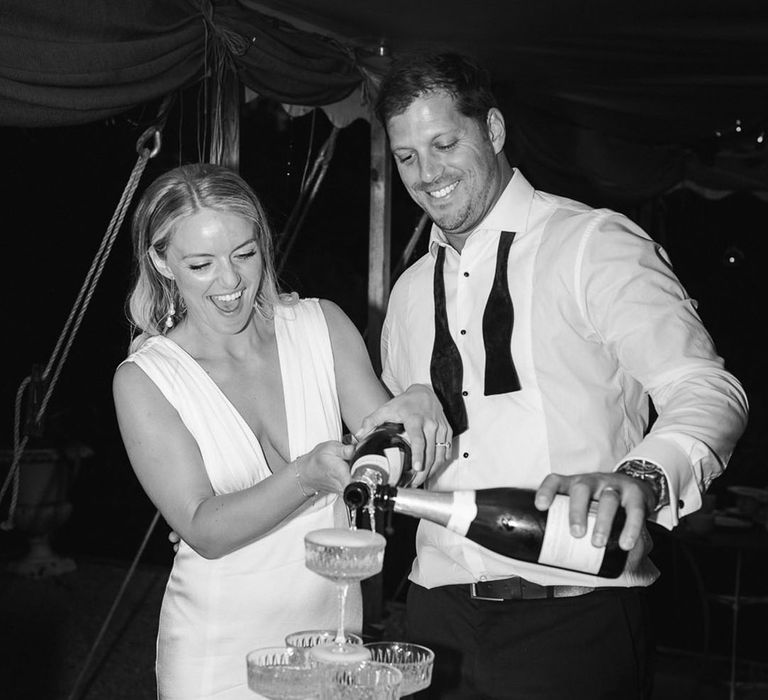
point(610, 490)
point(428, 430)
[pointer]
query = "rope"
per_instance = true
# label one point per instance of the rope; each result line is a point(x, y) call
point(77, 688)
point(50, 375)
point(18, 448)
point(405, 258)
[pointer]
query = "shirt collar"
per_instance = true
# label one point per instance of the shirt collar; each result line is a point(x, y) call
point(510, 213)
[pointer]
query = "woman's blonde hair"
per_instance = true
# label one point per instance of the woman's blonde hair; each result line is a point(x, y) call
point(174, 196)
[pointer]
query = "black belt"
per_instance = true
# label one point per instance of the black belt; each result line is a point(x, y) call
point(517, 588)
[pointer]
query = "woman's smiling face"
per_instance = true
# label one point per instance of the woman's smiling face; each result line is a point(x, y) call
point(214, 259)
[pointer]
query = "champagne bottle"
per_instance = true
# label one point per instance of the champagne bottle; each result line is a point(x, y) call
point(506, 521)
point(383, 457)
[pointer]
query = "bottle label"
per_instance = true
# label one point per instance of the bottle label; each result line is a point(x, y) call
point(463, 512)
point(378, 462)
point(390, 464)
point(395, 460)
point(560, 548)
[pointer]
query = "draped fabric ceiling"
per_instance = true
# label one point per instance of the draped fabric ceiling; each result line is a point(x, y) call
point(628, 100)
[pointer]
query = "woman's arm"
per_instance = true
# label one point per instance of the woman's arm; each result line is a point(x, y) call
point(169, 466)
point(366, 403)
point(360, 391)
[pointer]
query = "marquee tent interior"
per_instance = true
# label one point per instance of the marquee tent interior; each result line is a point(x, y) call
point(624, 99)
point(659, 109)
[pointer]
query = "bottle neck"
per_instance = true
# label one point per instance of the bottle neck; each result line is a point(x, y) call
point(371, 475)
point(365, 480)
point(452, 509)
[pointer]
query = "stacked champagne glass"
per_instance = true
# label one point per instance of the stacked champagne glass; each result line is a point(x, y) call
point(336, 665)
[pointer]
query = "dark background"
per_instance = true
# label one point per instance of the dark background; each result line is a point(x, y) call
point(59, 190)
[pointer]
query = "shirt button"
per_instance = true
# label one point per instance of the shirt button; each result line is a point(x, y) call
point(681, 504)
point(465, 455)
point(463, 331)
point(465, 393)
point(466, 274)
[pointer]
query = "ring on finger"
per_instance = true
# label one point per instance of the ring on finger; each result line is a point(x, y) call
point(446, 445)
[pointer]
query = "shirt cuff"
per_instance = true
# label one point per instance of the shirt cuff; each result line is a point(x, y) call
point(684, 493)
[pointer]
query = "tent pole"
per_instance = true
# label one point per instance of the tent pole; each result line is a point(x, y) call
point(378, 239)
point(378, 295)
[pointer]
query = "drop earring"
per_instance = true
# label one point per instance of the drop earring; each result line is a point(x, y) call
point(169, 317)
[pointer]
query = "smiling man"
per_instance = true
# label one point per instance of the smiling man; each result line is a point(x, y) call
point(544, 327)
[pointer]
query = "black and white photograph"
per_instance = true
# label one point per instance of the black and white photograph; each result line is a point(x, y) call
point(376, 350)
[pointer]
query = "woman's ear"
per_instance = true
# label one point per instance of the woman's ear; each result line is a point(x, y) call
point(160, 265)
point(497, 129)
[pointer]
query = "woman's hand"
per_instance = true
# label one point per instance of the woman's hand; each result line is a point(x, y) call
point(324, 469)
point(428, 430)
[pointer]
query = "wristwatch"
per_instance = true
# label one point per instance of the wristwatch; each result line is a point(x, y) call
point(650, 474)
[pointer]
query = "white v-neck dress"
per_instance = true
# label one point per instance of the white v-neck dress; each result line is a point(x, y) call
point(215, 611)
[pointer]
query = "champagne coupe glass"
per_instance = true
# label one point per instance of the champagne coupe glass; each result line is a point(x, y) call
point(343, 556)
point(283, 673)
point(365, 680)
point(305, 639)
point(413, 660)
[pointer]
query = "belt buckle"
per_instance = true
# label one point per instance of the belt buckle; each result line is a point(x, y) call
point(474, 596)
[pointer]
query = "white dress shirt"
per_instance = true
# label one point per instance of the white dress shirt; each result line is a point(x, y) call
point(600, 323)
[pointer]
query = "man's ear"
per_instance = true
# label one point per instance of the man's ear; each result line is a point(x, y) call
point(497, 130)
point(160, 265)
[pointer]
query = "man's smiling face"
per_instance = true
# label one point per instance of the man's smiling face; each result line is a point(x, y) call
point(448, 161)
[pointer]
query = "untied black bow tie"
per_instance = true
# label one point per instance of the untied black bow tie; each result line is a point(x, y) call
point(446, 370)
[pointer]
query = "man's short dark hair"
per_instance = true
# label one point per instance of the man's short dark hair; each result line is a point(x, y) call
point(412, 75)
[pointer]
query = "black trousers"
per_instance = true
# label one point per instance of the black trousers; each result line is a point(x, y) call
point(596, 646)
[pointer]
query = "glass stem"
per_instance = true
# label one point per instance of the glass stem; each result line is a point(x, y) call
point(342, 588)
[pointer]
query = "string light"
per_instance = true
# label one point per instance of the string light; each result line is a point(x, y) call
point(741, 134)
point(733, 257)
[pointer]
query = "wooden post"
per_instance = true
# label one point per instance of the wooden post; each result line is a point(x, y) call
point(379, 225)
point(379, 239)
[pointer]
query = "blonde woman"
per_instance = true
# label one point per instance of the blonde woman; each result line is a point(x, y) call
point(230, 406)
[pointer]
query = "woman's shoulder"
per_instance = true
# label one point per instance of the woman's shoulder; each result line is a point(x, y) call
point(293, 306)
point(316, 312)
point(147, 346)
point(152, 351)
point(129, 379)
point(340, 326)
point(158, 361)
